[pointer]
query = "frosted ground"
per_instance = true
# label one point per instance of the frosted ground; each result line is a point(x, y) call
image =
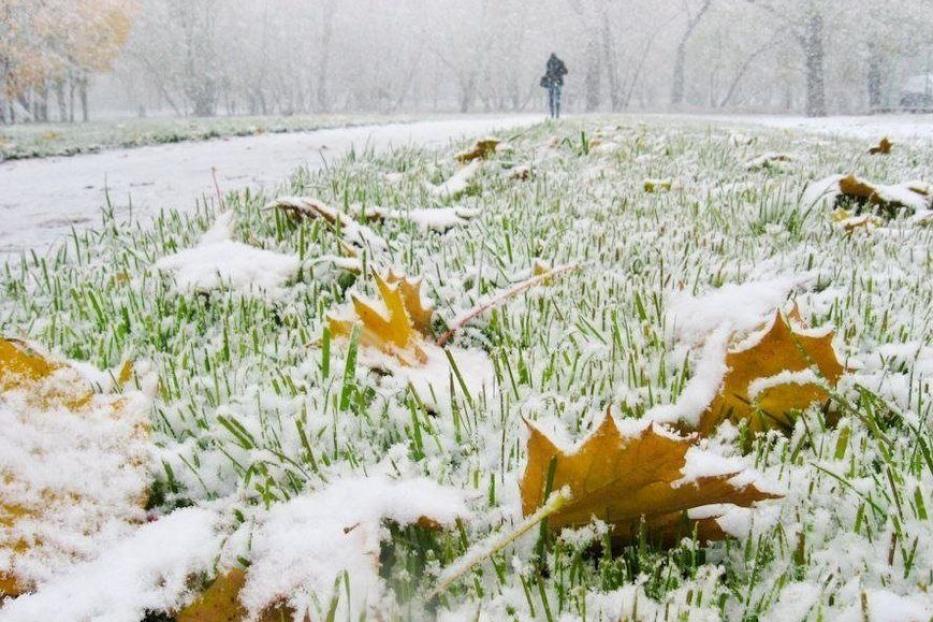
point(274, 448)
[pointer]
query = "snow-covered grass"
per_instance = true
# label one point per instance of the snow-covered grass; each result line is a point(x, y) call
point(262, 419)
point(40, 140)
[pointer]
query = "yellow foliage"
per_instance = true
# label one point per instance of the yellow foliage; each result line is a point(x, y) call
point(627, 479)
point(398, 334)
point(220, 602)
point(780, 349)
point(52, 386)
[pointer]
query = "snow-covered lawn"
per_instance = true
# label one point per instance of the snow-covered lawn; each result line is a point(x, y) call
point(307, 464)
point(42, 199)
point(903, 127)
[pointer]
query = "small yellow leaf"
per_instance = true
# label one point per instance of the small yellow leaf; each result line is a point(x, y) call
point(421, 315)
point(394, 334)
point(627, 479)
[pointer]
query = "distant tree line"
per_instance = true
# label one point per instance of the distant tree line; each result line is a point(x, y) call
point(49, 49)
point(208, 57)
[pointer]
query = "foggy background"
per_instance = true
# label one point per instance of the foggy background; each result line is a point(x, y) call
point(68, 59)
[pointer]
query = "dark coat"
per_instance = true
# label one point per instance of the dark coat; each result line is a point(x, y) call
point(556, 70)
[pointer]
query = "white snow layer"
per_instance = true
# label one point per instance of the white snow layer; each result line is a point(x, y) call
point(304, 546)
point(146, 571)
point(217, 262)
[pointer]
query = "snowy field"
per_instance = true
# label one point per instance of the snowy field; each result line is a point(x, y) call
point(655, 369)
point(43, 199)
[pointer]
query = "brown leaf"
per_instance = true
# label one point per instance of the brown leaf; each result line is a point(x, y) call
point(861, 192)
point(882, 148)
point(624, 479)
point(780, 349)
point(481, 150)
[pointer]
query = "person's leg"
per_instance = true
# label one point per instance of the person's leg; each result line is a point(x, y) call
point(550, 101)
point(557, 90)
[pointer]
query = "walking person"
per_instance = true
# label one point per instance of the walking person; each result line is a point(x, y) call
point(553, 81)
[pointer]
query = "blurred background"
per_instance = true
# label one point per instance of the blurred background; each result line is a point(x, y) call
point(73, 60)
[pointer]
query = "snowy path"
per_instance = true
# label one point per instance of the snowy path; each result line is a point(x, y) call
point(897, 127)
point(40, 200)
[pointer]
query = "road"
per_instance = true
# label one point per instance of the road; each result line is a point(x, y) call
point(41, 200)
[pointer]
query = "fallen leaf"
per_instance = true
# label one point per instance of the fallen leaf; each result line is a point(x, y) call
point(481, 150)
point(520, 173)
point(352, 233)
point(882, 148)
point(220, 602)
point(767, 160)
point(43, 400)
point(393, 328)
point(780, 350)
point(420, 313)
point(632, 480)
point(889, 198)
point(657, 185)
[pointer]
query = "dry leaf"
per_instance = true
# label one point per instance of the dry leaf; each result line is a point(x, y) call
point(767, 160)
point(882, 148)
point(481, 150)
point(844, 219)
point(657, 185)
point(781, 350)
point(220, 602)
point(351, 231)
point(889, 198)
point(520, 173)
point(391, 329)
point(624, 479)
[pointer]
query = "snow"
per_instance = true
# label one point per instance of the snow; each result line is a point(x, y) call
point(740, 307)
point(304, 546)
point(904, 127)
point(826, 191)
point(43, 199)
point(757, 386)
point(458, 183)
point(79, 474)
point(217, 262)
point(148, 570)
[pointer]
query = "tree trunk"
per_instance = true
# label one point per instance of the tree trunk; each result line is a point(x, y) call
point(592, 77)
point(323, 100)
point(612, 72)
point(815, 56)
point(82, 94)
point(60, 98)
point(71, 100)
point(875, 74)
point(677, 84)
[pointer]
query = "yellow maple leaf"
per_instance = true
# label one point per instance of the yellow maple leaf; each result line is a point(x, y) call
point(395, 334)
point(47, 385)
point(780, 350)
point(22, 367)
point(410, 289)
point(628, 481)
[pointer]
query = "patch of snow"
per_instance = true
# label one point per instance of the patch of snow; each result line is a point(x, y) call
point(148, 570)
point(219, 262)
point(305, 548)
